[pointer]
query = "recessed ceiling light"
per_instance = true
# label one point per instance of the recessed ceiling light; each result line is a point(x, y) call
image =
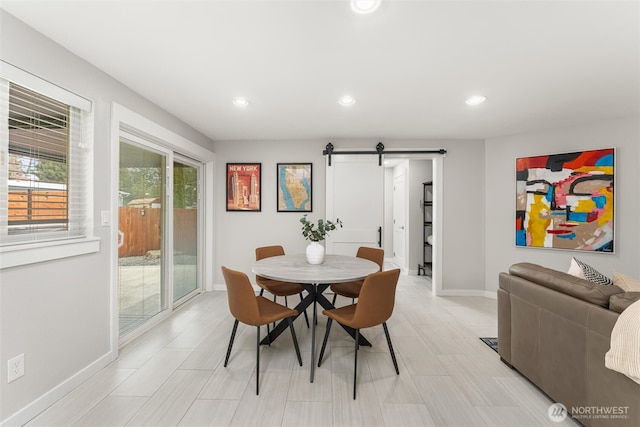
point(475, 100)
point(240, 101)
point(365, 6)
point(347, 100)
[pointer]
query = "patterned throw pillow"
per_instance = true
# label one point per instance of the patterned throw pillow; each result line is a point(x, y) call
point(593, 275)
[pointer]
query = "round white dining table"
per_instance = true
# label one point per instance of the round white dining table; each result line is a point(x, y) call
point(296, 269)
point(315, 278)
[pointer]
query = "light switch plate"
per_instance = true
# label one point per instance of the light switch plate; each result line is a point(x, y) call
point(105, 218)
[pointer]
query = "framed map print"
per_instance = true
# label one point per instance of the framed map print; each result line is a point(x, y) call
point(294, 187)
point(244, 187)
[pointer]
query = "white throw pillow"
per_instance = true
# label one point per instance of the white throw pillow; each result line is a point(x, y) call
point(575, 270)
point(625, 283)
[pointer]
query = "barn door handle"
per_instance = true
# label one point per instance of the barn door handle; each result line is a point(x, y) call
point(379, 237)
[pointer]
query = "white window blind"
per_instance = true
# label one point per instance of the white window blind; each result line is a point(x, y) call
point(45, 147)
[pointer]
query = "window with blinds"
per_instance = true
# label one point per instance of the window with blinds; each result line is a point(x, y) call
point(44, 186)
point(38, 141)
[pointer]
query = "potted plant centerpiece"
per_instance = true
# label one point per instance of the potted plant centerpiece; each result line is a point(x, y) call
point(316, 233)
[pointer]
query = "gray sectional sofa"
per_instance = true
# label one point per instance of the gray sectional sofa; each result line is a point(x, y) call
point(555, 329)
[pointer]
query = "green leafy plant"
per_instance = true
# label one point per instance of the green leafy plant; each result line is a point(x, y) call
point(318, 232)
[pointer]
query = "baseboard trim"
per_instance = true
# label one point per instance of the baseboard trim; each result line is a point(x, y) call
point(491, 294)
point(34, 408)
point(466, 293)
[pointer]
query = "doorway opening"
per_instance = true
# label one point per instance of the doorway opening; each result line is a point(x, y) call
point(404, 212)
point(356, 183)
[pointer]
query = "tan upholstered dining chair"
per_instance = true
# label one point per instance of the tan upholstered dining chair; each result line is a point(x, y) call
point(275, 287)
point(253, 310)
point(352, 289)
point(374, 307)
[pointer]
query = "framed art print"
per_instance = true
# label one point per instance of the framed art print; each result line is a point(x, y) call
point(565, 201)
point(294, 187)
point(244, 187)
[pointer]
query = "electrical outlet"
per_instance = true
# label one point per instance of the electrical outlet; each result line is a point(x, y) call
point(15, 368)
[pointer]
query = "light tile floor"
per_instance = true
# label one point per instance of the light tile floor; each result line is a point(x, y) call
point(174, 375)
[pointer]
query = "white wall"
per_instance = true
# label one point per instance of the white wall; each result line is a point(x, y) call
point(239, 233)
point(58, 313)
point(622, 134)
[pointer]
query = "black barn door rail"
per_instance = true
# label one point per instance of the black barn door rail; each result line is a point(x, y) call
point(329, 150)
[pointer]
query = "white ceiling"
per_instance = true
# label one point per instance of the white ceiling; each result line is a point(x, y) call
point(410, 65)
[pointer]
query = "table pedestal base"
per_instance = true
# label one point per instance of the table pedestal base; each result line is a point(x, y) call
point(315, 295)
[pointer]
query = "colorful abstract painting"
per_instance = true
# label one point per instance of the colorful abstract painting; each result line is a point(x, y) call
point(565, 201)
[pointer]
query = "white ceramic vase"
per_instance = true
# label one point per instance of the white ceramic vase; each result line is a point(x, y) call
point(315, 253)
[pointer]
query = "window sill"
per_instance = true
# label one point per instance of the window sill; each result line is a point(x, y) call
point(31, 253)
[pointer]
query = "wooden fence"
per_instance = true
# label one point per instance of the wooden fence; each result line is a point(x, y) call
point(141, 229)
point(31, 206)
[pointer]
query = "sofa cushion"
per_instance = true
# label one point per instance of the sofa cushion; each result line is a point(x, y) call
point(565, 283)
point(619, 302)
point(625, 283)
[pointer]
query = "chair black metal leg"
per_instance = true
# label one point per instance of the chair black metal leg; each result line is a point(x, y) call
point(324, 342)
point(393, 354)
point(355, 365)
point(233, 336)
point(286, 303)
point(257, 359)
point(335, 296)
point(274, 300)
point(295, 340)
point(306, 318)
point(268, 337)
point(261, 292)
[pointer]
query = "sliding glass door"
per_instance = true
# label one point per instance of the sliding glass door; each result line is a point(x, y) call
point(141, 235)
point(158, 231)
point(186, 225)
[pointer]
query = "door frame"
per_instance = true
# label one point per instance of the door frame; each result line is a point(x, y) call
point(438, 212)
point(127, 121)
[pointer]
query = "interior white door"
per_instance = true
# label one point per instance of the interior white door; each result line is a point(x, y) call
point(354, 194)
point(399, 220)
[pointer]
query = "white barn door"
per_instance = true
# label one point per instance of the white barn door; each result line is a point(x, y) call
point(354, 194)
